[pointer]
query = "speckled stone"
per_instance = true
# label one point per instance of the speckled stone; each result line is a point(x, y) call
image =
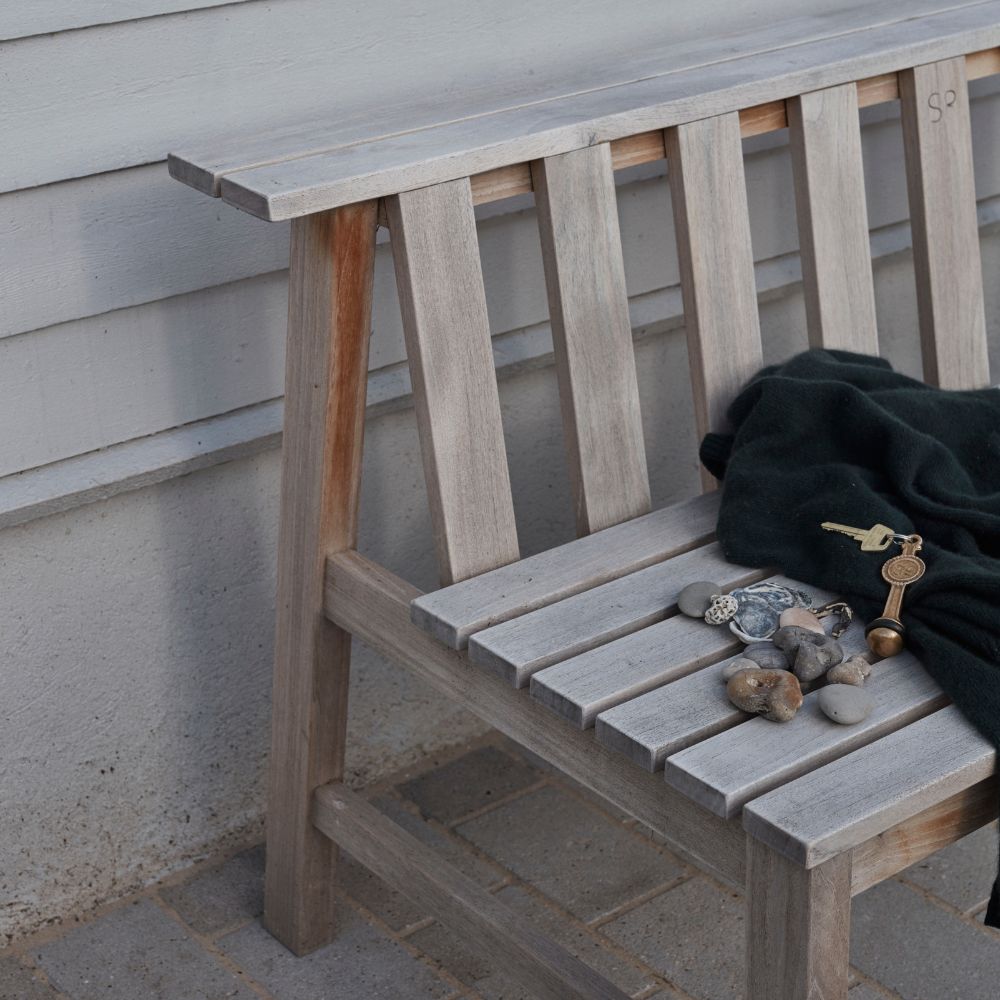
point(852, 671)
point(800, 618)
point(731, 669)
point(774, 694)
point(845, 703)
point(695, 598)
point(766, 655)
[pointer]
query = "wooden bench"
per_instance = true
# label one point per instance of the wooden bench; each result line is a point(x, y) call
point(578, 653)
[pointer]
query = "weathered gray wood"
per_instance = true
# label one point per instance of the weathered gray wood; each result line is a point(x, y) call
point(454, 613)
point(203, 167)
point(726, 771)
point(310, 183)
point(592, 336)
point(373, 604)
point(463, 906)
point(518, 648)
point(447, 331)
point(708, 191)
point(579, 687)
point(942, 189)
point(650, 728)
point(798, 927)
point(825, 138)
point(839, 806)
point(329, 318)
point(906, 843)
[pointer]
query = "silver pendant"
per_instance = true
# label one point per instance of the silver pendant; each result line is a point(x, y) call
point(754, 612)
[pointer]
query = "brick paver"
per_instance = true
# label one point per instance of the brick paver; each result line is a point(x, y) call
point(363, 961)
point(575, 854)
point(470, 782)
point(915, 947)
point(137, 951)
point(693, 934)
point(17, 982)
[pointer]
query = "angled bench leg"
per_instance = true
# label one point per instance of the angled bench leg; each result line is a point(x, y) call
point(798, 926)
point(329, 322)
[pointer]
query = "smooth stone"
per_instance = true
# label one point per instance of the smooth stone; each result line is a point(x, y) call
point(845, 703)
point(695, 598)
point(773, 694)
point(814, 661)
point(790, 637)
point(737, 665)
point(800, 618)
point(766, 655)
point(852, 671)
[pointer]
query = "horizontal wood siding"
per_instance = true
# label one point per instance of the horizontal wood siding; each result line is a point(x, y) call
point(131, 305)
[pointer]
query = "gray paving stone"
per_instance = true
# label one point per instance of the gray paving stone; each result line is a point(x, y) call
point(361, 963)
point(136, 951)
point(693, 935)
point(570, 851)
point(390, 906)
point(472, 781)
point(19, 983)
point(911, 945)
point(223, 896)
point(862, 991)
point(449, 950)
point(962, 873)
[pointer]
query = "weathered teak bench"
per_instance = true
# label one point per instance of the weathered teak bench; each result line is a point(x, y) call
point(577, 653)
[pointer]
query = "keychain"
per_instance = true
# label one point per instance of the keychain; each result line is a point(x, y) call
point(885, 635)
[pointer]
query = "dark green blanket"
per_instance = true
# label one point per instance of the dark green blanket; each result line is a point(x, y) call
point(836, 436)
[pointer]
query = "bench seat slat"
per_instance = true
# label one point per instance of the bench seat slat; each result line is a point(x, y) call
point(724, 772)
point(937, 136)
point(454, 613)
point(650, 728)
point(712, 224)
point(581, 686)
point(592, 336)
point(825, 138)
point(859, 796)
point(516, 649)
point(447, 332)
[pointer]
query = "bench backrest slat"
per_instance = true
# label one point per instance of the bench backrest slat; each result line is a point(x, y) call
point(592, 336)
point(445, 324)
point(825, 138)
point(712, 223)
point(937, 137)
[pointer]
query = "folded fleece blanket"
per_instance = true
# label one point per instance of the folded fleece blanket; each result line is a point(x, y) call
point(837, 436)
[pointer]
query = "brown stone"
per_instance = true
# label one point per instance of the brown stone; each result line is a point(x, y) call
point(774, 694)
point(852, 671)
point(800, 617)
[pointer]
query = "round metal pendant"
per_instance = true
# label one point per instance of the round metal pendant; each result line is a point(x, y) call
point(759, 608)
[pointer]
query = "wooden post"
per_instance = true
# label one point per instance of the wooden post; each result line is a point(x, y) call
point(798, 926)
point(329, 323)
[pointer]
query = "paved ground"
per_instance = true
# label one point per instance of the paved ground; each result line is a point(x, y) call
point(590, 878)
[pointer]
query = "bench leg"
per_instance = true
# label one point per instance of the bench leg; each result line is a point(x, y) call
point(798, 926)
point(329, 322)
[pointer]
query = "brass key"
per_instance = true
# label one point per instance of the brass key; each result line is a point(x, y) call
point(885, 634)
point(874, 539)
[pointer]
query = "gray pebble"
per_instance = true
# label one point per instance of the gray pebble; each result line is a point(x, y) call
point(695, 598)
point(766, 655)
point(845, 703)
point(734, 667)
point(852, 671)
